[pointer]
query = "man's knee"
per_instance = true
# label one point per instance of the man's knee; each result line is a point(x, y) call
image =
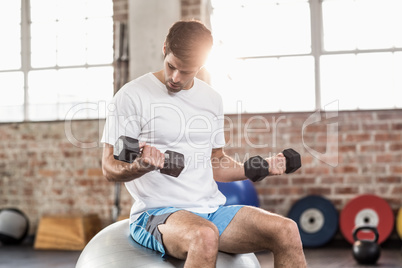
point(204, 239)
point(289, 233)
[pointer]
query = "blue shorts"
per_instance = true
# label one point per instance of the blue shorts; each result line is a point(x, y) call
point(145, 229)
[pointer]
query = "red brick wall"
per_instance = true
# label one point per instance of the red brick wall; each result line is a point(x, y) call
point(44, 171)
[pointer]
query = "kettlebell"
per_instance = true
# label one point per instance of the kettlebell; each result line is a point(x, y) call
point(366, 251)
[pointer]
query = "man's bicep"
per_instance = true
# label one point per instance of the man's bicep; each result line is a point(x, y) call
point(107, 153)
point(217, 153)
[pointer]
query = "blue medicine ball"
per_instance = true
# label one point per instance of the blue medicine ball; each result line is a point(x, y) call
point(239, 193)
point(14, 226)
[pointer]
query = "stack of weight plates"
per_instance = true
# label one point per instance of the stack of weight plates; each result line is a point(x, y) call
point(399, 223)
point(316, 218)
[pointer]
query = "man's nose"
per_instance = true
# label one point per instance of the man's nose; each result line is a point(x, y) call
point(176, 76)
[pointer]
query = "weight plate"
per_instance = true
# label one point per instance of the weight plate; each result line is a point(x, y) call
point(311, 220)
point(316, 218)
point(367, 216)
point(366, 210)
point(399, 223)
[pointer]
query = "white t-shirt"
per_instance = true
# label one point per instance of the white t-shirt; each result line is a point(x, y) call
point(189, 122)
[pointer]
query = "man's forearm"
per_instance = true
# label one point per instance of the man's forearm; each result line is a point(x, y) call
point(118, 171)
point(226, 169)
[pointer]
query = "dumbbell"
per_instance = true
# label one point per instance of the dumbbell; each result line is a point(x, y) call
point(127, 149)
point(256, 168)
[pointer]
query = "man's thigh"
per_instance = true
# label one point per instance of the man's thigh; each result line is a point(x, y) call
point(252, 229)
point(176, 231)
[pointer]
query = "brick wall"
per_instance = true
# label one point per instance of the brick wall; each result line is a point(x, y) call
point(44, 170)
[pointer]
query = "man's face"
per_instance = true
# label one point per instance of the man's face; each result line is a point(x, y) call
point(179, 75)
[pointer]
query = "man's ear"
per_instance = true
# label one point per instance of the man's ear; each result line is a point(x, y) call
point(164, 49)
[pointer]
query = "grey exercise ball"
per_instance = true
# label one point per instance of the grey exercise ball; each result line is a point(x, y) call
point(114, 247)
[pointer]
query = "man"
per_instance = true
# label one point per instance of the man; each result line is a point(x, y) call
point(184, 216)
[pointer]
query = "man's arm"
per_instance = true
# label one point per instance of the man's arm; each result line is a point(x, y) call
point(226, 169)
point(119, 171)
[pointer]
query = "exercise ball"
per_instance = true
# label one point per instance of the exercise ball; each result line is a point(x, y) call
point(14, 226)
point(239, 193)
point(113, 247)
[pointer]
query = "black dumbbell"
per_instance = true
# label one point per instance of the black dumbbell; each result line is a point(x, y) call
point(128, 149)
point(256, 168)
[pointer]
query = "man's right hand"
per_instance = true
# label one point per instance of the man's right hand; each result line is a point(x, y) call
point(119, 171)
point(150, 159)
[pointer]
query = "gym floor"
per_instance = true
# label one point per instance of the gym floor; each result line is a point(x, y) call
point(328, 257)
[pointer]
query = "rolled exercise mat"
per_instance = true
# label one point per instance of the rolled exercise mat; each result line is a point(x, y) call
point(316, 218)
point(366, 210)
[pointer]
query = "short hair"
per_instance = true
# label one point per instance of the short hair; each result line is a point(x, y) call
point(189, 41)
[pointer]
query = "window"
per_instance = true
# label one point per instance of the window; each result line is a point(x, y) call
point(297, 55)
point(59, 55)
point(361, 64)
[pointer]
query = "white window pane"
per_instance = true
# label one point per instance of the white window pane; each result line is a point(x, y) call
point(43, 44)
point(43, 10)
point(374, 23)
point(42, 112)
point(262, 27)
point(43, 87)
point(71, 9)
point(100, 83)
point(100, 41)
point(363, 81)
point(99, 8)
point(11, 96)
point(267, 85)
point(10, 32)
point(338, 80)
point(52, 92)
point(73, 86)
point(55, 94)
point(71, 43)
point(397, 79)
point(339, 34)
point(91, 86)
point(83, 110)
point(83, 85)
point(11, 113)
point(11, 88)
point(365, 24)
point(10, 12)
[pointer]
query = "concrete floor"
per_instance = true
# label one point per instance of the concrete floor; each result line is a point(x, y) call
point(338, 257)
point(26, 256)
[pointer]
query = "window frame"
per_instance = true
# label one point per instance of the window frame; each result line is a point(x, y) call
point(26, 67)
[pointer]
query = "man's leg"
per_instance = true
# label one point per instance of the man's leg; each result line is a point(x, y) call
point(253, 229)
point(191, 237)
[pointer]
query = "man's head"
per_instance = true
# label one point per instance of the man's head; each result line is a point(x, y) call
point(189, 41)
point(185, 50)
